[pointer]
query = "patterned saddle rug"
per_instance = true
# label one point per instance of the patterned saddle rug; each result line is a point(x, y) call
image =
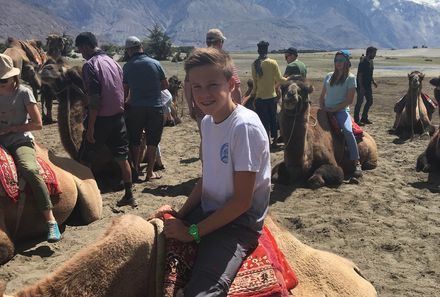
point(357, 130)
point(265, 272)
point(9, 177)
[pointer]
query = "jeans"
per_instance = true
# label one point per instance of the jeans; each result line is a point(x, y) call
point(368, 94)
point(267, 112)
point(219, 257)
point(344, 122)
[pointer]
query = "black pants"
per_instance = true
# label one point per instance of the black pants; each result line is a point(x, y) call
point(368, 94)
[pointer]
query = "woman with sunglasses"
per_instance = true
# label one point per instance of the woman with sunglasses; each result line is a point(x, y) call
point(17, 103)
point(336, 97)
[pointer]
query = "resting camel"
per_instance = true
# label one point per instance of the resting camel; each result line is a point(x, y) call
point(313, 152)
point(124, 262)
point(77, 186)
point(429, 162)
point(66, 82)
point(28, 58)
point(413, 113)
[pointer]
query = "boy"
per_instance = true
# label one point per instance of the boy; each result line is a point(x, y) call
point(226, 208)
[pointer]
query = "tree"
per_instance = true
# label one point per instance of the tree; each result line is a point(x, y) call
point(158, 43)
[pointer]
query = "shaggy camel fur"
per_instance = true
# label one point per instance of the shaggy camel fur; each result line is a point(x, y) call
point(123, 261)
point(313, 152)
point(66, 82)
point(77, 186)
point(28, 58)
point(429, 162)
point(414, 118)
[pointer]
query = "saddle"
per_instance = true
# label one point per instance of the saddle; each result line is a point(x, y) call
point(357, 130)
point(265, 272)
point(430, 103)
point(10, 181)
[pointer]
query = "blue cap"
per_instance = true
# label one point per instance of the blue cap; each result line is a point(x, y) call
point(346, 53)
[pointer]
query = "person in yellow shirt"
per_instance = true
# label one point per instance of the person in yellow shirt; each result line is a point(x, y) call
point(266, 75)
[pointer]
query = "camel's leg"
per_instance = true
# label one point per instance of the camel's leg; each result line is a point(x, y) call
point(326, 175)
point(6, 244)
point(422, 163)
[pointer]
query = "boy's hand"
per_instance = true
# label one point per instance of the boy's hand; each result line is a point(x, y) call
point(161, 211)
point(175, 228)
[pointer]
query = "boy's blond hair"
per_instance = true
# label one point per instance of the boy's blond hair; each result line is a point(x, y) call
point(210, 56)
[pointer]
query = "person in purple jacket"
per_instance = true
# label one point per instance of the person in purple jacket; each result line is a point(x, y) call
point(105, 124)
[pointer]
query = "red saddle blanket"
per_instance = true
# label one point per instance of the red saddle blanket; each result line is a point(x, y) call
point(264, 273)
point(9, 176)
point(357, 130)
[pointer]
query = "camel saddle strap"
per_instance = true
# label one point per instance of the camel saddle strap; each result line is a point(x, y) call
point(9, 177)
point(265, 272)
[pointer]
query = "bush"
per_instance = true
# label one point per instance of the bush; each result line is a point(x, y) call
point(158, 43)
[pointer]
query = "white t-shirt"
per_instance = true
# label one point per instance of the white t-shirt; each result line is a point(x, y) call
point(239, 143)
point(165, 96)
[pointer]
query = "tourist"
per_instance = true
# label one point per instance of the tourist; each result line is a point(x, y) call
point(17, 103)
point(336, 97)
point(294, 66)
point(105, 124)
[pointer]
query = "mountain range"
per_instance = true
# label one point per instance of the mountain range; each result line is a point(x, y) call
point(305, 24)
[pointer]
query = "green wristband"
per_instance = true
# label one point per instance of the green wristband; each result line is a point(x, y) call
point(193, 230)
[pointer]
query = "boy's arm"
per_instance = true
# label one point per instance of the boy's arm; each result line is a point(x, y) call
point(193, 200)
point(240, 202)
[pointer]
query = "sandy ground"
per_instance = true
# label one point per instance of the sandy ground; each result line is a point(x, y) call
point(389, 224)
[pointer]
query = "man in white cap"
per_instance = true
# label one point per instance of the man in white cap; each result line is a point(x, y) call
point(215, 39)
point(144, 79)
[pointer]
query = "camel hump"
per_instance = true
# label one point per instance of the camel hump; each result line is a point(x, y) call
point(31, 52)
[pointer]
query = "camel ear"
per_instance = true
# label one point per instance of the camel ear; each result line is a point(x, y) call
point(409, 75)
point(435, 82)
point(422, 76)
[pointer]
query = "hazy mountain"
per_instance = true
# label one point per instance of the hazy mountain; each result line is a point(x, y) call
point(23, 21)
point(301, 23)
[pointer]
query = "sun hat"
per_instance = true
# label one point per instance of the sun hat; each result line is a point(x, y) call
point(214, 35)
point(7, 68)
point(132, 41)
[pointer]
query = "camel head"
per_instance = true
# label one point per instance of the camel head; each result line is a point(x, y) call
point(415, 79)
point(295, 93)
point(55, 45)
point(174, 85)
point(29, 73)
point(58, 75)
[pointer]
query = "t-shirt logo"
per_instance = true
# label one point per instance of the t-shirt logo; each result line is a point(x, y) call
point(224, 153)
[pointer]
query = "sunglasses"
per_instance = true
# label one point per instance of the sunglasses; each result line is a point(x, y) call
point(340, 60)
point(4, 81)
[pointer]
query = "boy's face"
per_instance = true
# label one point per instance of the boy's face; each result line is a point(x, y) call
point(212, 91)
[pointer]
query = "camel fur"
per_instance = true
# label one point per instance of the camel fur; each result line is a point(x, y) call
point(77, 186)
point(414, 118)
point(123, 261)
point(28, 58)
point(313, 152)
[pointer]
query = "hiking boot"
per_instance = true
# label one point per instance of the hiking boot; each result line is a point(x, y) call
point(127, 200)
point(53, 232)
point(358, 171)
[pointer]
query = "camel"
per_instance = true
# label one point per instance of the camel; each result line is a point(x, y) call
point(429, 162)
point(126, 261)
point(174, 86)
point(77, 186)
point(412, 115)
point(66, 82)
point(436, 83)
point(27, 57)
point(313, 152)
point(55, 46)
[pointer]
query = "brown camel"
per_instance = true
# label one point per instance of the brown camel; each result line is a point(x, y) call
point(313, 152)
point(76, 184)
point(124, 262)
point(412, 115)
point(66, 82)
point(55, 46)
point(27, 57)
point(436, 83)
point(429, 162)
